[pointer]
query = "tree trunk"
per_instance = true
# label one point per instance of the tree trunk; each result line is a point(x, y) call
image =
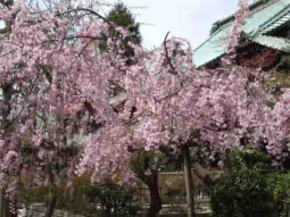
point(155, 200)
point(141, 164)
point(188, 182)
point(7, 92)
point(51, 206)
point(4, 206)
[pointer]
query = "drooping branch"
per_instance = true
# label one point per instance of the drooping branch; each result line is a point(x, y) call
point(167, 54)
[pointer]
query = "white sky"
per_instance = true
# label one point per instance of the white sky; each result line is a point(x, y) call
point(190, 19)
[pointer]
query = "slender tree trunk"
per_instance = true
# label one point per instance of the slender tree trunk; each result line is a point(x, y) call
point(155, 200)
point(51, 206)
point(15, 208)
point(151, 180)
point(4, 206)
point(7, 92)
point(188, 182)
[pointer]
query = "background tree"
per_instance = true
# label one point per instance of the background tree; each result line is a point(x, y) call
point(122, 16)
point(144, 164)
point(37, 138)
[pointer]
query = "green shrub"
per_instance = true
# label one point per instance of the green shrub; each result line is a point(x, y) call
point(115, 200)
point(279, 184)
point(87, 199)
point(242, 194)
point(250, 158)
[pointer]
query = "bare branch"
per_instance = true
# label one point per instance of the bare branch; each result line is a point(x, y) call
point(167, 54)
point(170, 95)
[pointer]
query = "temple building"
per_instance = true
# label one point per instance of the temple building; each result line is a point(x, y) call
point(265, 39)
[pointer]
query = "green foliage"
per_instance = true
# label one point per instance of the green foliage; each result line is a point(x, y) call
point(250, 158)
point(242, 194)
point(41, 194)
point(78, 202)
point(244, 191)
point(143, 162)
point(7, 3)
point(87, 199)
point(251, 177)
point(279, 76)
point(115, 201)
point(279, 184)
point(121, 16)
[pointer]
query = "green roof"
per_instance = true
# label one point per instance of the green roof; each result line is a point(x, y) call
point(266, 15)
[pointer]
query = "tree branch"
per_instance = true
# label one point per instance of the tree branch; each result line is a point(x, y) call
point(170, 95)
point(167, 54)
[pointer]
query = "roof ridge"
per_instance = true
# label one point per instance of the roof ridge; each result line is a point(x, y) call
point(264, 14)
point(212, 35)
point(274, 18)
point(254, 7)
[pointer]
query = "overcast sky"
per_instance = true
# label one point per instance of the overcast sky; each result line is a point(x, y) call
point(190, 19)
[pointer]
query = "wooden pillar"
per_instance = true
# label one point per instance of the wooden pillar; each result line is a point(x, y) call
point(188, 182)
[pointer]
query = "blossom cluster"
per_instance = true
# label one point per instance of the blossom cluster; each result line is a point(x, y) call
point(64, 100)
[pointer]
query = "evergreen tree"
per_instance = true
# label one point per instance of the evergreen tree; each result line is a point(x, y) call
point(121, 16)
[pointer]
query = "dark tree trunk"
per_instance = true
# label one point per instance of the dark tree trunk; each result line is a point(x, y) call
point(15, 208)
point(51, 206)
point(155, 200)
point(188, 182)
point(4, 206)
point(6, 125)
point(142, 164)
